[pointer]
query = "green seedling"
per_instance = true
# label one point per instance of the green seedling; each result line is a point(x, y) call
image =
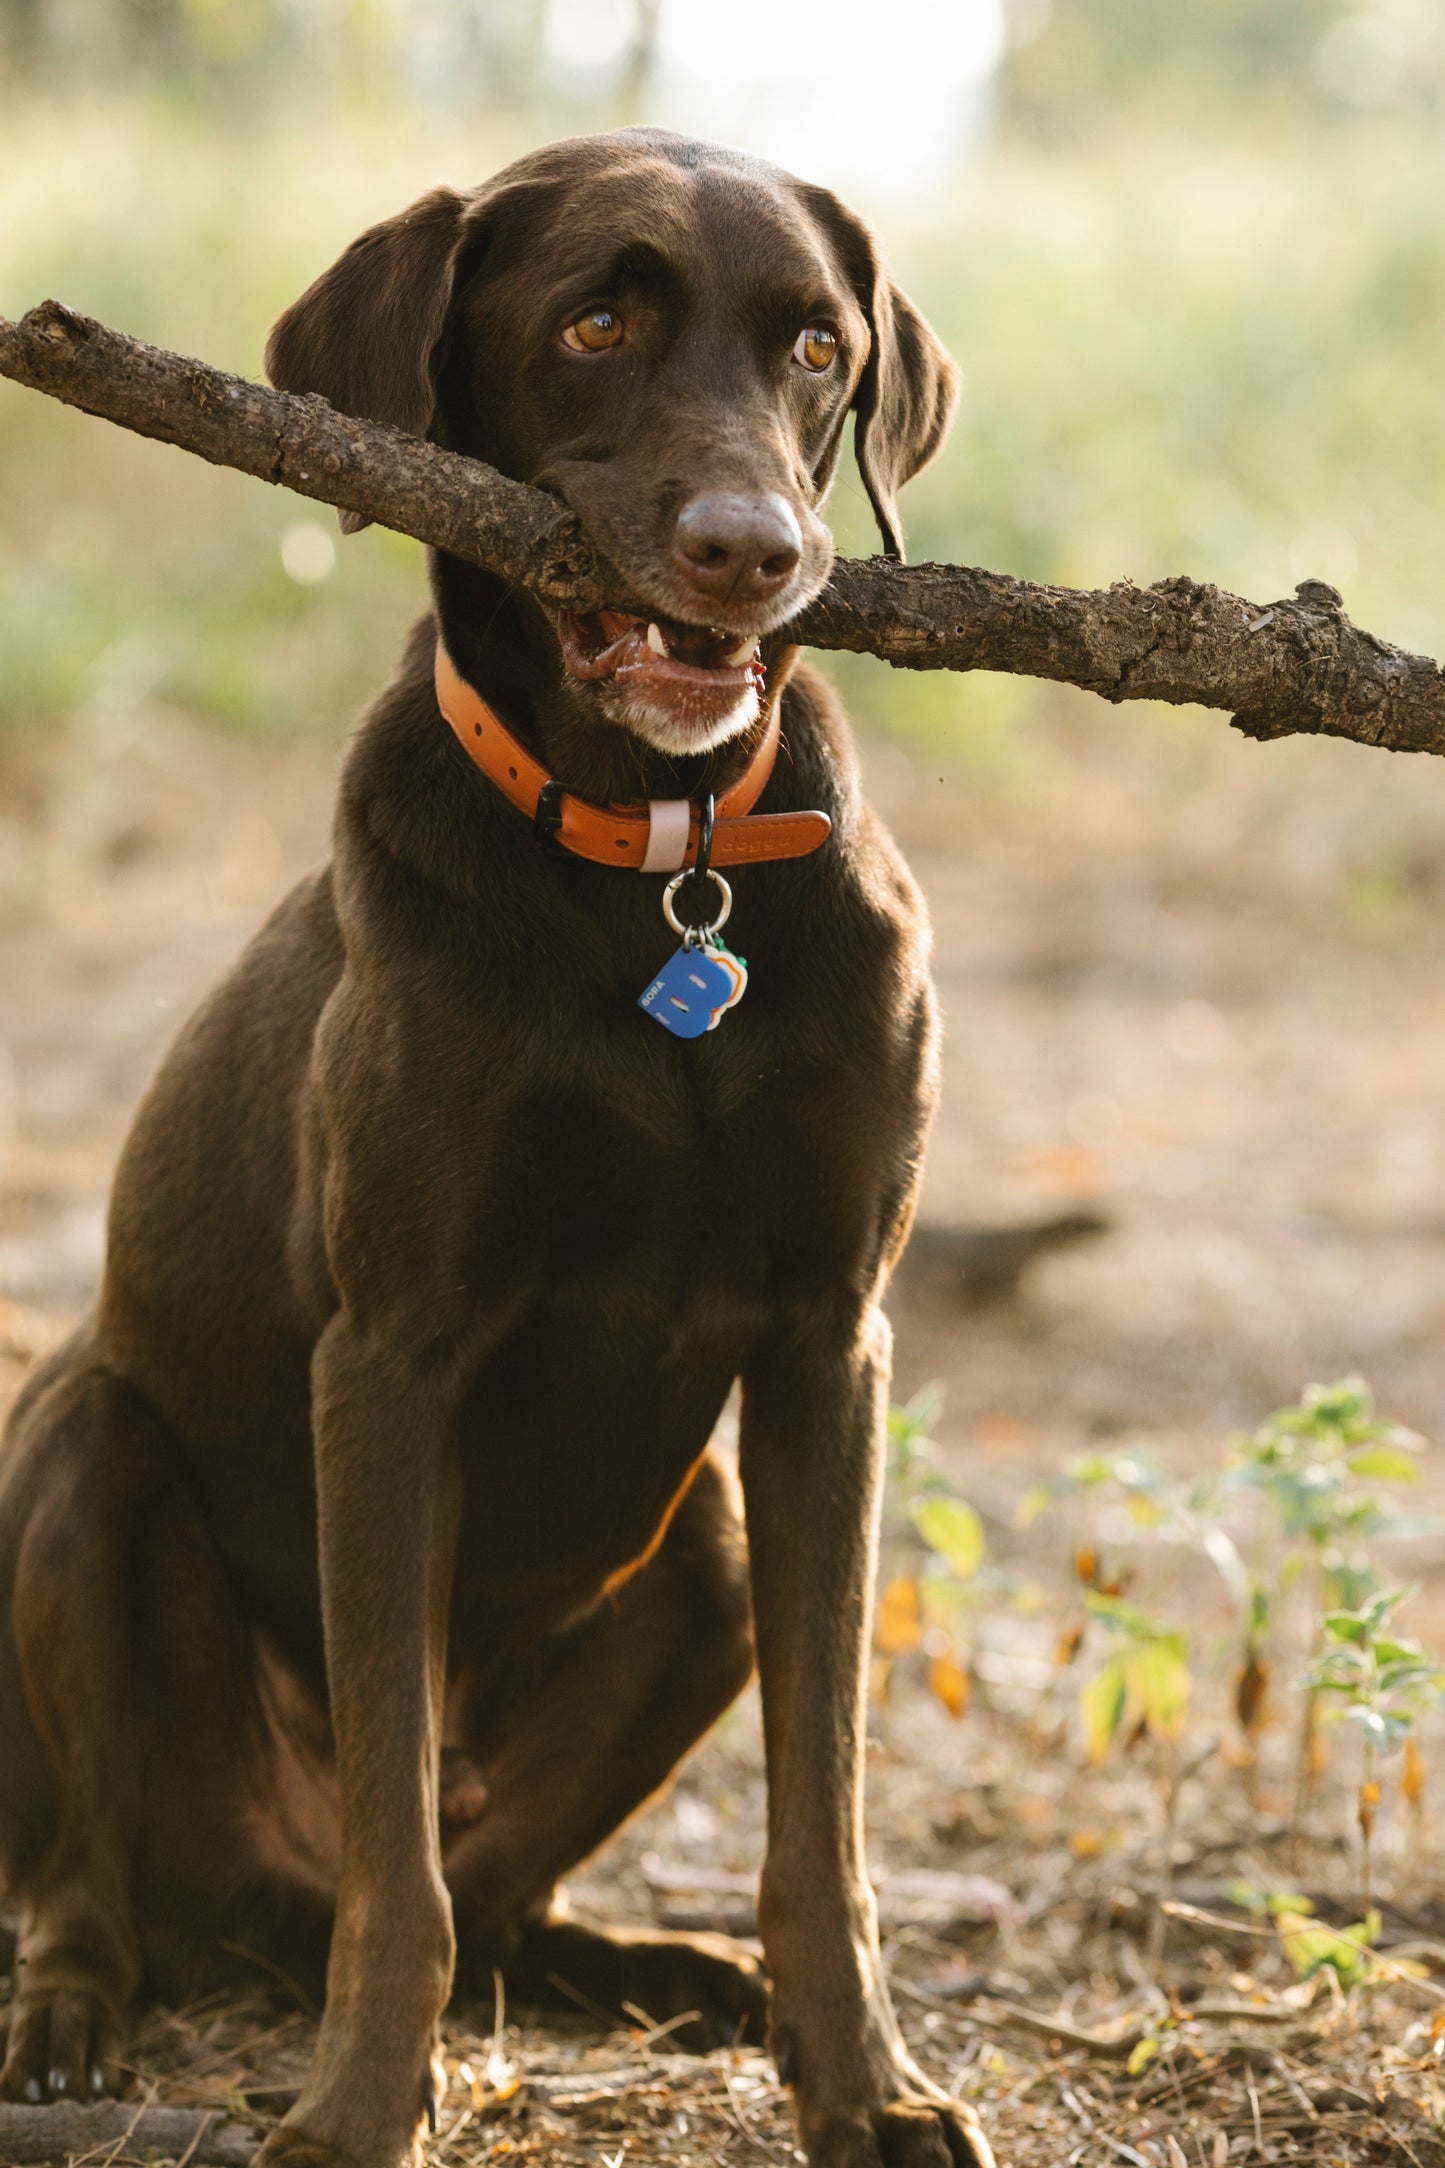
point(1308, 1945)
point(938, 1560)
point(1316, 1469)
point(1143, 1686)
point(1366, 1674)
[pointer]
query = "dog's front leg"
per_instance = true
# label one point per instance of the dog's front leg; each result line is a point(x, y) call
point(388, 1490)
point(813, 1432)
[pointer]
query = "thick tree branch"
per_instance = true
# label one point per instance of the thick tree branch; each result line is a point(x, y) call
point(1296, 665)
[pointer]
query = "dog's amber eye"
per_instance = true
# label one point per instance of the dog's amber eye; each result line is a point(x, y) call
point(594, 332)
point(816, 348)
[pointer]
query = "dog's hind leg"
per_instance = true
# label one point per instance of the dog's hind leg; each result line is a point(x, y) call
point(82, 1466)
point(590, 1736)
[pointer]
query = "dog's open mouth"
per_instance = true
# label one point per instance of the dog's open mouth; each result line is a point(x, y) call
point(689, 679)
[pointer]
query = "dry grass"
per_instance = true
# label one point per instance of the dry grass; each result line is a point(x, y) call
point(1035, 2012)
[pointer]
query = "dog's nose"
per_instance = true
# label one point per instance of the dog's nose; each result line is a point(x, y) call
point(737, 549)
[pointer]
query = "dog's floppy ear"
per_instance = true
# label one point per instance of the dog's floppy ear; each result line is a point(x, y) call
point(367, 334)
point(905, 396)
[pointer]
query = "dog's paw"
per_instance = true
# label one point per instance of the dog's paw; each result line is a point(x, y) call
point(290, 2147)
point(61, 2045)
point(698, 1991)
point(715, 1985)
point(907, 2133)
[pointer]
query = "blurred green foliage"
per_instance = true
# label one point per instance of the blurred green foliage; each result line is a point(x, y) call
point(1194, 276)
point(1221, 66)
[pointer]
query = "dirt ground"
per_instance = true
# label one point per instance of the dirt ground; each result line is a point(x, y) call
point(1188, 982)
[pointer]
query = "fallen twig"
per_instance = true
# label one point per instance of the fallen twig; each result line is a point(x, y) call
point(65, 2129)
point(1279, 668)
point(1114, 2048)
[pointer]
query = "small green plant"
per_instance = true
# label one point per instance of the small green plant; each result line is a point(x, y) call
point(1143, 1686)
point(937, 1563)
point(1308, 1945)
point(1315, 1465)
point(1289, 1518)
point(1316, 1468)
point(1320, 1473)
point(1368, 1675)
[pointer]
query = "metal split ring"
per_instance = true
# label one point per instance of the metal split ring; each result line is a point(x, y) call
point(697, 933)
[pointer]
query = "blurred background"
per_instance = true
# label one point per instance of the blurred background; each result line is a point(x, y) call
point(1192, 262)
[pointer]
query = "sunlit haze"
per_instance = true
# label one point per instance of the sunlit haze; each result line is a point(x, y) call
point(877, 99)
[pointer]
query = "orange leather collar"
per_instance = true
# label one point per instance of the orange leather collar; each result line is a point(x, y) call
point(658, 837)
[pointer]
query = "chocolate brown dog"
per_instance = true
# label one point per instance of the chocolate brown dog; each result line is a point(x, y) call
point(362, 1560)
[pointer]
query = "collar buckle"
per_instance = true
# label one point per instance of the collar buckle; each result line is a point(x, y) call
point(547, 820)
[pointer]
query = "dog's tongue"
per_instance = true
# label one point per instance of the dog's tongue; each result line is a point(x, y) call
point(596, 647)
point(607, 641)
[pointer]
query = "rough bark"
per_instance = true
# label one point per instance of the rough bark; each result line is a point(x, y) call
point(1288, 666)
point(120, 2131)
point(365, 467)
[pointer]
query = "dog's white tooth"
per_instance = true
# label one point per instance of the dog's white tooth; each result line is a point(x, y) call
point(743, 652)
point(655, 641)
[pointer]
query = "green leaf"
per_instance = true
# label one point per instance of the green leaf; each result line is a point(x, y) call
point(1118, 1612)
point(1159, 1686)
point(1383, 1464)
point(918, 1415)
point(1087, 1468)
point(1032, 1504)
point(1414, 1673)
point(1102, 1704)
point(1400, 1652)
point(1308, 1946)
point(954, 1530)
point(1348, 1400)
point(1251, 1898)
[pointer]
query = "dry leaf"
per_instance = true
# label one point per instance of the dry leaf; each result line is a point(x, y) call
point(900, 1617)
point(1412, 1782)
point(950, 1682)
point(1251, 1694)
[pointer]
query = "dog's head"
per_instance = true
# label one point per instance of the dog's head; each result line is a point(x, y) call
point(671, 336)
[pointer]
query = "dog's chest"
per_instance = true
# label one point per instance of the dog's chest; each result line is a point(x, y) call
point(654, 1235)
point(649, 1192)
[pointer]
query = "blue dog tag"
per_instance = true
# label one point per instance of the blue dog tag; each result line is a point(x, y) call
point(689, 992)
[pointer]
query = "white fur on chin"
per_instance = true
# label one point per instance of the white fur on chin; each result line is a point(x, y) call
point(660, 726)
